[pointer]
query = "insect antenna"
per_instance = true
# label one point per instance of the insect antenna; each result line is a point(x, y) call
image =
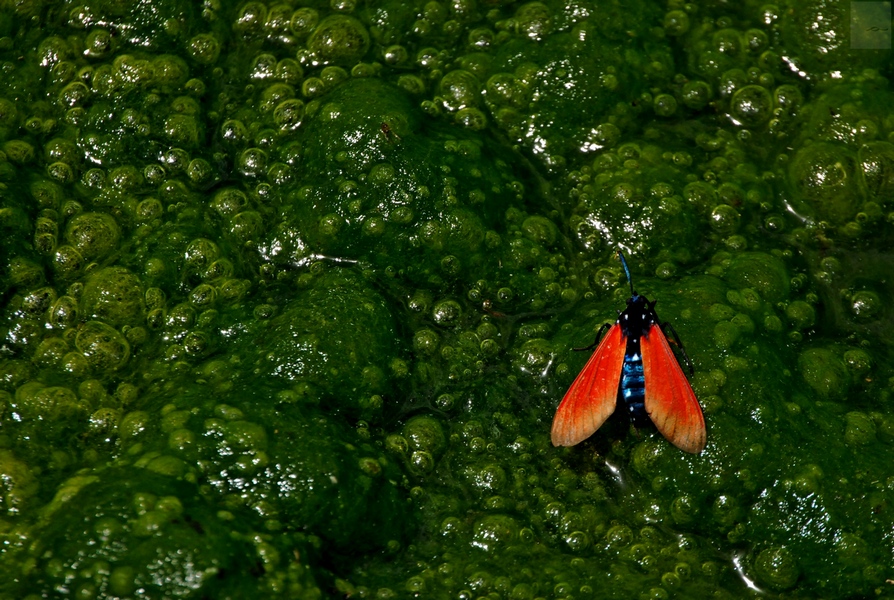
point(627, 271)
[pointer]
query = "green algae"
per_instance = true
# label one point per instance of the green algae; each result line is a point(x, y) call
point(345, 368)
point(141, 534)
point(291, 291)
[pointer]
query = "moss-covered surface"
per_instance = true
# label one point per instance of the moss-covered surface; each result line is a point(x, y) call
point(290, 292)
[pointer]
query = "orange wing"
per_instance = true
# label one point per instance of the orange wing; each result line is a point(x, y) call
point(670, 401)
point(593, 395)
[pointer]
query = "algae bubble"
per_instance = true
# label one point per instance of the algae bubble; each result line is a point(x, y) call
point(103, 346)
point(823, 176)
point(751, 105)
point(339, 39)
point(329, 337)
point(93, 235)
point(761, 272)
point(777, 568)
point(115, 296)
point(824, 371)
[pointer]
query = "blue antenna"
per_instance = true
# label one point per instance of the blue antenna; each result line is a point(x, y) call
point(627, 270)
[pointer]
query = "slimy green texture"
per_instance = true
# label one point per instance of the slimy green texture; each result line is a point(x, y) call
point(289, 293)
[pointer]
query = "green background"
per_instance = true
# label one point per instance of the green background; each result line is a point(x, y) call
point(290, 293)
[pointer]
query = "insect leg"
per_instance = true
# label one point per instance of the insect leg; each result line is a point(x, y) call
point(595, 343)
point(665, 327)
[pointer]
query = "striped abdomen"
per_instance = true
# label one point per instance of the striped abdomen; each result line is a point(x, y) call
point(632, 387)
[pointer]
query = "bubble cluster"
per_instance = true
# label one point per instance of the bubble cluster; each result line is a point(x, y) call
point(133, 532)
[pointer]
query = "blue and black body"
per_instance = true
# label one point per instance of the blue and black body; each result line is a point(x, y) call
point(635, 322)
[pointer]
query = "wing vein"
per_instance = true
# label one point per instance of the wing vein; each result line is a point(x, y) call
point(670, 401)
point(592, 397)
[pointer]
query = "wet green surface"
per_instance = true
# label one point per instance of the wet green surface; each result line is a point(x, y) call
point(290, 292)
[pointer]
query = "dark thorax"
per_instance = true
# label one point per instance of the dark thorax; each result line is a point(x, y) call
point(635, 322)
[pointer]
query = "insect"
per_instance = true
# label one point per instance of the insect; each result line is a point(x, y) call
point(633, 365)
point(389, 133)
